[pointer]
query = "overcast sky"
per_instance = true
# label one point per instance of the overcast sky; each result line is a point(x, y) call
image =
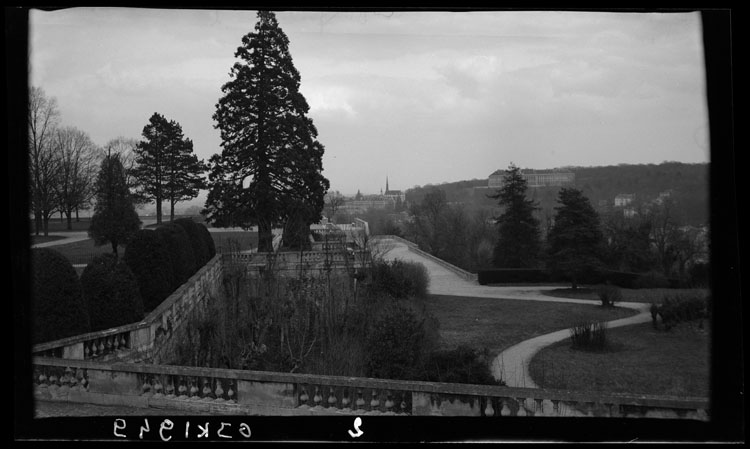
point(420, 97)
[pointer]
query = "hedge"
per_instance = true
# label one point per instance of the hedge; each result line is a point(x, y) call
point(58, 308)
point(181, 252)
point(197, 238)
point(148, 258)
point(111, 292)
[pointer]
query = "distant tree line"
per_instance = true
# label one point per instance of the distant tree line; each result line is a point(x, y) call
point(574, 240)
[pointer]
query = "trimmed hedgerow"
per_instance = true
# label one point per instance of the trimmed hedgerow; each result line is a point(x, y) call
point(58, 308)
point(148, 258)
point(181, 252)
point(201, 250)
point(111, 293)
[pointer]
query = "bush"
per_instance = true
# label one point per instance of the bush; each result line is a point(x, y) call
point(396, 344)
point(461, 365)
point(148, 258)
point(399, 279)
point(201, 251)
point(111, 293)
point(609, 294)
point(651, 279)
point(58, 308)
point(181, 252)
point(589, 335)
point(680, 308)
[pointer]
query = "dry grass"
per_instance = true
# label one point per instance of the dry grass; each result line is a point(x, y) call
point(642, 361)
point(497, 324)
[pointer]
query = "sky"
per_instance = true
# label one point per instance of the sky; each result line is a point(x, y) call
point(419, 97)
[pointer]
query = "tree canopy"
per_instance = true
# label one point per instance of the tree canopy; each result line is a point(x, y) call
point(269, 170)
point(575, 240)
point(518, 243)
point(115, 219)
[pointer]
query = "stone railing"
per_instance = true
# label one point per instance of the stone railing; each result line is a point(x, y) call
point(413, 247)
point(223, 391)
point(296, 258)
point(146, 339)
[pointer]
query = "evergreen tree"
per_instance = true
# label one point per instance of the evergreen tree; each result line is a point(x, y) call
point(269, 170)
point(575, 240)
point(167, 168)
point(115, 219)
point(518, 244)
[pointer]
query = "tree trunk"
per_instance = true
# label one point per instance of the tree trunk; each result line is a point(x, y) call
point(70, 220)
point(171, 211)
point(265, 236)
point(77, 219)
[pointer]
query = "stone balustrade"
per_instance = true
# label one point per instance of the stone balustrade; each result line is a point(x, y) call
point(145, 339)
point(223, 391)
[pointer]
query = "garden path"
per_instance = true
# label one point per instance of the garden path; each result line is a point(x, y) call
point(512, 364)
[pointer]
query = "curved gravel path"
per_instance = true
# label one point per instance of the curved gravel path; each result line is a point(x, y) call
point(511, 365)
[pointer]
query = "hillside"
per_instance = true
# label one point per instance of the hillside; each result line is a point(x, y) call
point(689, 184)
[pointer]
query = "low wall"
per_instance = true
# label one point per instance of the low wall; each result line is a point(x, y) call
point(223, 391)
point(146, 340)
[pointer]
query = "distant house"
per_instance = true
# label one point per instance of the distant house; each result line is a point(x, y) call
point(535, 178)
point(623, 199)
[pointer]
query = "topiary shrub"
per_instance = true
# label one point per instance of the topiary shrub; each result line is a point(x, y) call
point(58, 308)
point(609, 294)
point(461, 365)
point(111, 293)
point(181, 252)
point(399, 279)
point(197, 240)
point(148, 258)
point(396, 344)
point(210, 244)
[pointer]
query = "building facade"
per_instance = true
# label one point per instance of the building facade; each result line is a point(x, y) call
point(535, 178)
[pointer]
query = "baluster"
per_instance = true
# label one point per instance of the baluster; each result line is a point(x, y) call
point(388, 403)
point(555, 407)
point(146, 387)
point(345, 401)
point(589, 408)
point(207, 393)
point(521, 409)
point(303, 398)
point(375, 403)
point(170, 388)
point(230, 393)
point(317, 398)
point(505, 409)
point(219, 392)
point(53, 381)
point(193, 389)
point(332, 398)
point(538, 407)
point(158, 387)
point(360, 401)
point(101, 346)
point(488, 410)
point(124, 341)
point(65, 380)
point(182, 390)
point(43, 380)
point(108, 345)
point(404, 405)
point(86, 349)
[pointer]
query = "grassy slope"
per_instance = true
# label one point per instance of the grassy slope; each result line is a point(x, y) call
point(643, 361)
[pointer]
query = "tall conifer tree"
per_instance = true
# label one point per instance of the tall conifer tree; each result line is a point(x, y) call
point(518, 243)
point(269, 170)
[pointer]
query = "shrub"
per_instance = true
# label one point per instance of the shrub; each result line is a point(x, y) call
point(680, 308)
point(148, 258)
point(58, 308)
point(201, 250)
point(589, 335)
point(396, 344)
point(609, 294)
point(399, 279)
point(181, 252)
point(111, 293)
point(461, 365)
point(651, 279)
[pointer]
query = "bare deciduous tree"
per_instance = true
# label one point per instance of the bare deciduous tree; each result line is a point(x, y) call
point(43, 117)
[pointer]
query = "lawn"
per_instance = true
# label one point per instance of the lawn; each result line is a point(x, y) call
point(643, 361)
point(497, 324)
point(35, 239)
point(645, 295)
